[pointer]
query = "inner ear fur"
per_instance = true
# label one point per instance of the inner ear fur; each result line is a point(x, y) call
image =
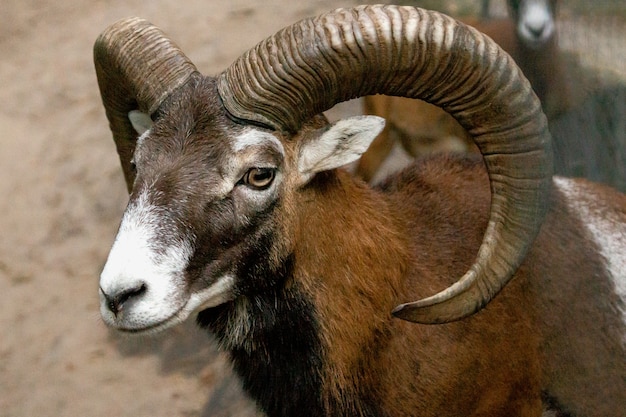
point(339, 144)
point(141, 121)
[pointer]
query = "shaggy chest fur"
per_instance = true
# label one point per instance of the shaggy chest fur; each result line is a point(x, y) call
point(275, 348)
point(272, 339)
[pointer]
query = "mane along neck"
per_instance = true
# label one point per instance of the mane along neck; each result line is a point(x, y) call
point(294, 346)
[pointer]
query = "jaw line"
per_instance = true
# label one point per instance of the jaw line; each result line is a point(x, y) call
point(217, 293)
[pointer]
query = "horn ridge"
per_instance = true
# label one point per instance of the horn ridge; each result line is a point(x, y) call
point(137, 67)
point(420, 54)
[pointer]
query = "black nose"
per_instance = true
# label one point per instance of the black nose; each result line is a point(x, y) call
point(115, 302)
point(536, 30)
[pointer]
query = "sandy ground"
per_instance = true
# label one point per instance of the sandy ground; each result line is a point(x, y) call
point(61, 198)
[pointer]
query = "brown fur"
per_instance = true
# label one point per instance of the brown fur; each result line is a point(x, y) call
point(582, 333)
point(429, 230)
point(320, 269)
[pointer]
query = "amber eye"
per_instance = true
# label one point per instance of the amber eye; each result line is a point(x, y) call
point(259, 178)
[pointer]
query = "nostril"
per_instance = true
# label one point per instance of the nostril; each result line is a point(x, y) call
point(115, 302)
point(536, 30)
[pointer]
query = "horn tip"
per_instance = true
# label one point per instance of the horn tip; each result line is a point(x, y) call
point(416, 314)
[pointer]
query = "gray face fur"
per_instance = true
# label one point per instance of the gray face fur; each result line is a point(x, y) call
point(205, 188)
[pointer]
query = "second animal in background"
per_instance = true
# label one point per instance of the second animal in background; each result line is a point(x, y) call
point(528, 35)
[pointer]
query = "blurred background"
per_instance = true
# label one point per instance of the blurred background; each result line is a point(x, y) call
point(62, 192)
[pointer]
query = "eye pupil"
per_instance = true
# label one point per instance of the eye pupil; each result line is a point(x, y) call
point(259, 178)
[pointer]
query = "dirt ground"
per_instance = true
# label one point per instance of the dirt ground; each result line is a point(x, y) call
point(61, 198)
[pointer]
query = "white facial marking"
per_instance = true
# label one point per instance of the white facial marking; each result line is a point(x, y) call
point(143, 137)
point(217, 293)
point(253, 148)
point(607, 229)
point(253, 137)
point(139, 259)
point(536, 23)
point(134, 261)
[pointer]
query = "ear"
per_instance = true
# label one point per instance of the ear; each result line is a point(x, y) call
point(141, 121)
point(341, 143)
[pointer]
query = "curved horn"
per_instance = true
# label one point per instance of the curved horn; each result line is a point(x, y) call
point(404, 51)
point(137, 68)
